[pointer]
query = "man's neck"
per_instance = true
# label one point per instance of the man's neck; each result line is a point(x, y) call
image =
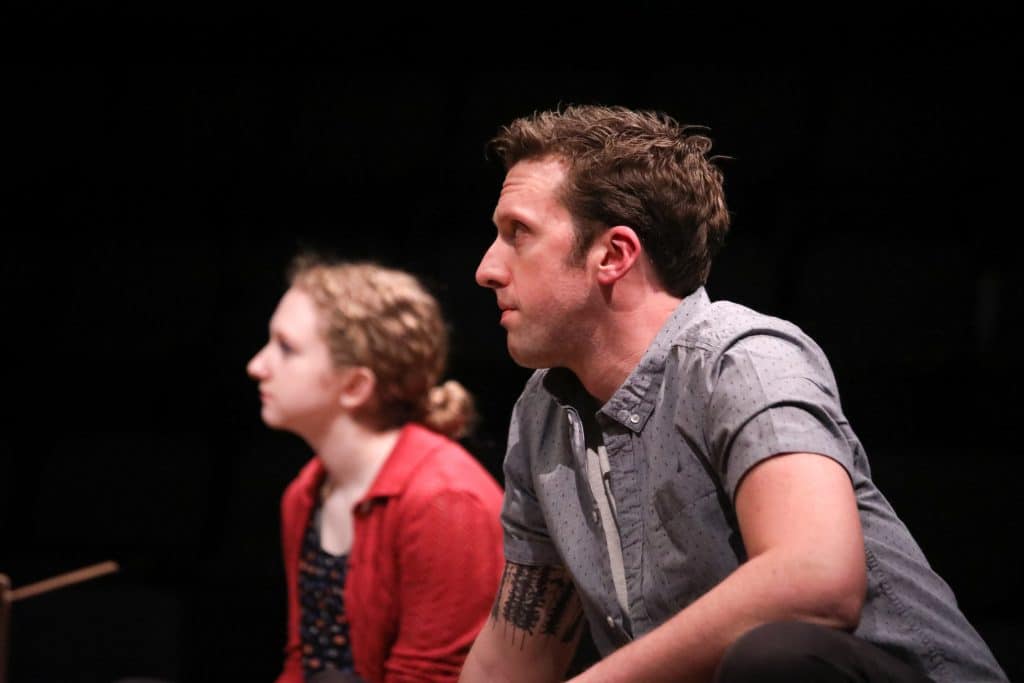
point(623, 340)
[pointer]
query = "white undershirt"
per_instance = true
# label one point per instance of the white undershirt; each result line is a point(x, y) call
point(598, 472)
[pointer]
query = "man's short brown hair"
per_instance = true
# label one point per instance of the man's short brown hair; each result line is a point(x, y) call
point(640, 169)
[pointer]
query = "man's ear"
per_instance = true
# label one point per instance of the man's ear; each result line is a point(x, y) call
point(357, 387)
point(619, 248)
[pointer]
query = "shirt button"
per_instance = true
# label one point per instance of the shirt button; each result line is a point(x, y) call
point(593, 513)
point(634, 418)
point(611, 622)
point(623, 414)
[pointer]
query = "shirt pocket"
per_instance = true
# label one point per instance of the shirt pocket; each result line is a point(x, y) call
point(690, 539)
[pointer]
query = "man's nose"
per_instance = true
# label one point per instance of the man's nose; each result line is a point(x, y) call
point(492, 271)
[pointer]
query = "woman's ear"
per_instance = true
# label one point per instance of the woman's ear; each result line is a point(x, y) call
point(619, 248)
point(357, 387)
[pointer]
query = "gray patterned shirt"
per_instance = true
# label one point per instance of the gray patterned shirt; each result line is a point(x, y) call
point(720, 389)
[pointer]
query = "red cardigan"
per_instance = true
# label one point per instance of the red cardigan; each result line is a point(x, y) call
point(424, 564)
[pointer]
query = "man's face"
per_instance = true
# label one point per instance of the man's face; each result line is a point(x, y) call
point(298, 383)
point(544, 298)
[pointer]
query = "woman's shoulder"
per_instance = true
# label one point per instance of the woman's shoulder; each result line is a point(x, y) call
point(447, 468)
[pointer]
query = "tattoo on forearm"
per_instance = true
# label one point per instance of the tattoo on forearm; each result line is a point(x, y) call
point(538, 601)
point(574, 628)
point(526, 598)
point(566, 591)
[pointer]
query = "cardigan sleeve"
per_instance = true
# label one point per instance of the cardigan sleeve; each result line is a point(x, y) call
point(450, 563)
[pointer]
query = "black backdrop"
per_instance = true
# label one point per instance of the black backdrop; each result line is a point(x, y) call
point(152, 210)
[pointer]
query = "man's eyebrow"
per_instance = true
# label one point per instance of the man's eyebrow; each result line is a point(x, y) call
point(509, 215)
point(499, 218)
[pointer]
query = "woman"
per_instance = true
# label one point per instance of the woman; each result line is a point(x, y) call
point(391, 533)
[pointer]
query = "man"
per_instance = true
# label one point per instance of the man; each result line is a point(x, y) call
point(682, 474)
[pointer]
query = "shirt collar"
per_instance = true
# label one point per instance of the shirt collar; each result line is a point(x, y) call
point(414, 444)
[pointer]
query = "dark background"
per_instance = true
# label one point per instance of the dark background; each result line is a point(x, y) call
point(151, 211)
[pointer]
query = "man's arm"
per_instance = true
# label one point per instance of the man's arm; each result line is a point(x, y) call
point(533, 630)
point(799, 520)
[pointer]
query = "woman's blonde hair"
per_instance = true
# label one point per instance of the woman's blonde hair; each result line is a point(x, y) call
point(385, 320)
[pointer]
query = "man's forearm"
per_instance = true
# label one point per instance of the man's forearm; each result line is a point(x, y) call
point(533, 629)
point(689, 646)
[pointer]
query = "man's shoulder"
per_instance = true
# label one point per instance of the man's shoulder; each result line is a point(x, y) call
point(722, 323)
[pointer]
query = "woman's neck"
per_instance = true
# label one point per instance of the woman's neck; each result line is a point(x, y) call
point(353, 453)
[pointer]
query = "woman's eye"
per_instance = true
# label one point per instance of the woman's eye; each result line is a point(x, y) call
point(285, 347)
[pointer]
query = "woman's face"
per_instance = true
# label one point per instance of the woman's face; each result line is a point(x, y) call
point(299, 386)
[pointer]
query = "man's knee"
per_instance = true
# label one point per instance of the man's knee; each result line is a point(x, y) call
point(781, 651)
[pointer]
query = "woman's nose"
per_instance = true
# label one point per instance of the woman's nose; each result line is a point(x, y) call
point(256, 368)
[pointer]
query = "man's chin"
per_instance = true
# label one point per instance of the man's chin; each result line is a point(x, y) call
point(526, 358)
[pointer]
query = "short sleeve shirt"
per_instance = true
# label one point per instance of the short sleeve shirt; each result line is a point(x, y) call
point(720, 389)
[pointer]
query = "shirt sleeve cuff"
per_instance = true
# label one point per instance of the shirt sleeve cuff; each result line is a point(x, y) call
point(530, 553)
point(784, 429)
